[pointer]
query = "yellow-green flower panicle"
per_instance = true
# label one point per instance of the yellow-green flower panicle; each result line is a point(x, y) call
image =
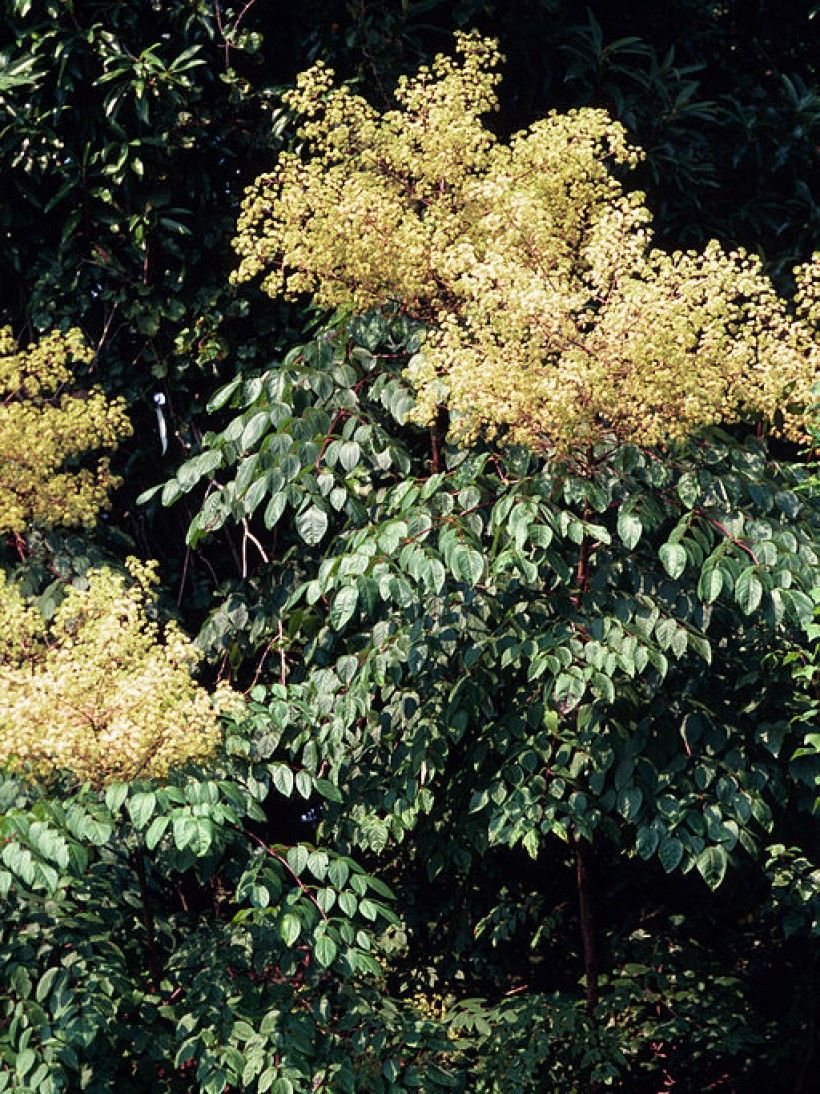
point(104, 691)
point(45, 428)
point(552, 319)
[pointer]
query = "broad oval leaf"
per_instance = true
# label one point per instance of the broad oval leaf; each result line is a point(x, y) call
point(325, 950)
point(290, 928)
point(283, 779)
point(343, 607)
point(670, 853)
point(673, 557)
point(710, 583)
point(629, 527)
point(711, 864)
point(311, 524)
point(748, 590)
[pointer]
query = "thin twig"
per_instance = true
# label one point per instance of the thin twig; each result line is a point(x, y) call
point(247, 534)
point(281, 858)
point(732, 539)
point(151, 952)
point(186, 560)
point(587, 924)
point(340, 414)
point(226, 36)
point(283, 665)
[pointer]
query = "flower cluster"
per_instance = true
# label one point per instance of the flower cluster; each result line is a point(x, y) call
point(552, 319)
point(103, 691)
point(22, 628)
point(807, 279)
point(44, 430)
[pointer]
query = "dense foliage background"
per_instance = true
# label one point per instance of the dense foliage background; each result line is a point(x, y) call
point(488, 821)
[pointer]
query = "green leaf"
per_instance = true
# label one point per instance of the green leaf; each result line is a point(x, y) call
point(629, 802)
point(711, 864)
point(244, 1031)
point(304, 784)
point(748, 590)
point(140, 807)
point(274, 509)
point(802, 606)
point(646, 842)
point(266, 1080)
point(156, 830)
point(348, 903)
point(45, 983)
point(192, 833)
point(21, 981)
point(710, 583)
point(151, 492)
point(171, 492)
point(327, 790)
point(368, 909)
point(688, 490)
point(629, 527)
point(256, 426)
point(184, 830)
point(670, 853)
point(317, 864)
point(254, 494)
point(673, 557)
point(349, 455)
point(343, 607)
point(24, 1061)
point(115, 795)
point(603, 687)
point(311, 524)
point(700, 645)
point(325, 950)
point(291, 928)
point(338, 872)
point(762, 814)
point(531, 843)
point(467, 565)
point(665, 632)
point(283, 779)
point(569, 690)
point(326, 898)
point(297, 858)
point(193, 470)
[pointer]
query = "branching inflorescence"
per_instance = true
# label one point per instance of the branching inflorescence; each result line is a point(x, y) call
point(104, 691)
point(45, 426)
point(552, 320)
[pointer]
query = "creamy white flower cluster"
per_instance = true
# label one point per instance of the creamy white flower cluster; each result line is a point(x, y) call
point(553, 321)
point(103, 691)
